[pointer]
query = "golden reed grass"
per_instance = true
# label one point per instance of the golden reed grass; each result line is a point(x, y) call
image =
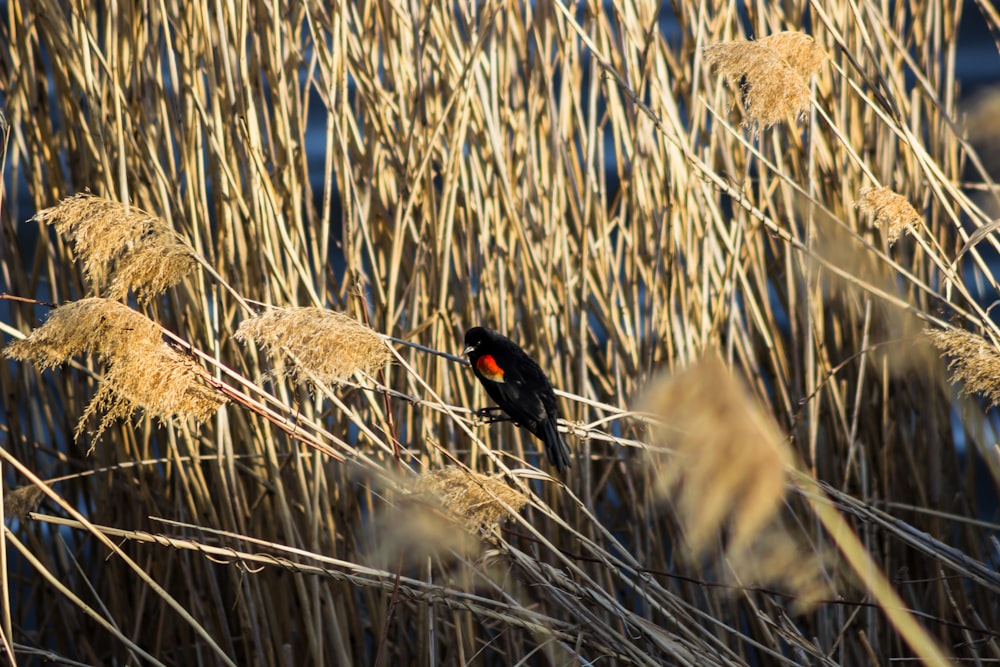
point(331, 345)
point(131, 248)
point(772, 74)
point(727, 469)
point(889, 211)
point(540, 195)
point(142, 370)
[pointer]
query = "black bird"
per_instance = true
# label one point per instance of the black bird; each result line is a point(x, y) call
point(520, 388)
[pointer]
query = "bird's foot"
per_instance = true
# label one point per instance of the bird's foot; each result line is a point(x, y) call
point(490, 415)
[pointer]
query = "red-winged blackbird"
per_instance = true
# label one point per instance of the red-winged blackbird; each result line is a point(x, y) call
point(520, 388)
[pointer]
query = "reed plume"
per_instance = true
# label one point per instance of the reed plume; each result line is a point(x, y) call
point(142, 370)
point(772, 74)
point(889, 211)
point(331, 345)
point(133, 249)
point(727, 468)
point(477, 501)
point(974, 362)
point(22, 500)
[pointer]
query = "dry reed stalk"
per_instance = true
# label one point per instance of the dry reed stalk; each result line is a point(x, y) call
point(137, 249)
point(143, 371)
point(331, 345)
point(890, 211)
point(772, 74)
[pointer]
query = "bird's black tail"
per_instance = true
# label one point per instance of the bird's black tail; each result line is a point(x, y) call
point(555, 447)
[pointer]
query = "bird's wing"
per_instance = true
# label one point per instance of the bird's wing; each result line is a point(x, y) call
point(518, 394)
point(530, 374)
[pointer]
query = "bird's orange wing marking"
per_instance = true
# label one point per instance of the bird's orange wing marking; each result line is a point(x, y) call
point(489, 369)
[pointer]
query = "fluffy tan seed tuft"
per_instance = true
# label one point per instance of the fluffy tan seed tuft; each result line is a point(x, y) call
point(797, 49)
point(890, 211)
point(142, 370)
point(417, 528)
point(475, 500)
point(727, 469)
point(134, 250)
point(729, 459)
point(18, 502)
point(975, 362)
point(772, 74)
point(331, 345)
point(774, 557)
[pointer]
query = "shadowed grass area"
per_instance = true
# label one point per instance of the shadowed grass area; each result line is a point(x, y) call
point(297, 211)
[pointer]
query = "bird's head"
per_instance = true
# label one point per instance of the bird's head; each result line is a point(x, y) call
point(476, 340)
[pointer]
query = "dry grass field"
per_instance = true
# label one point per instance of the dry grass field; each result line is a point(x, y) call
point(756, 255)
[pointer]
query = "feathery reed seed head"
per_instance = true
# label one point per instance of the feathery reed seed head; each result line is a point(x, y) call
point(331, 345)
point(772, 74)
point(96, 325)
point(18, 502)
point(975, 362)
point(729, 458)
point(798, 49)
point(861, 270)
point(143, 371)
point(138, 249)
point(775, 557)
point(890, 211)
point(475, 500)
point(728, 467)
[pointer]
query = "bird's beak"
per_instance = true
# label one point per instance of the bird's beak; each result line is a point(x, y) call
point(467, 350)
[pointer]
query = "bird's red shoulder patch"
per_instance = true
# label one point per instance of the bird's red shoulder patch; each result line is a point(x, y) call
point(489, 369)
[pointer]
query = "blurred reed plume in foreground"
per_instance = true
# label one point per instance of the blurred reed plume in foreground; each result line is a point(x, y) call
point(722, 465)
point(18, 502)
point(571, 176)
point(446, 514)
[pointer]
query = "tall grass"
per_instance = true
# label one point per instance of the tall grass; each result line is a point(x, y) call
point(623, 205)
